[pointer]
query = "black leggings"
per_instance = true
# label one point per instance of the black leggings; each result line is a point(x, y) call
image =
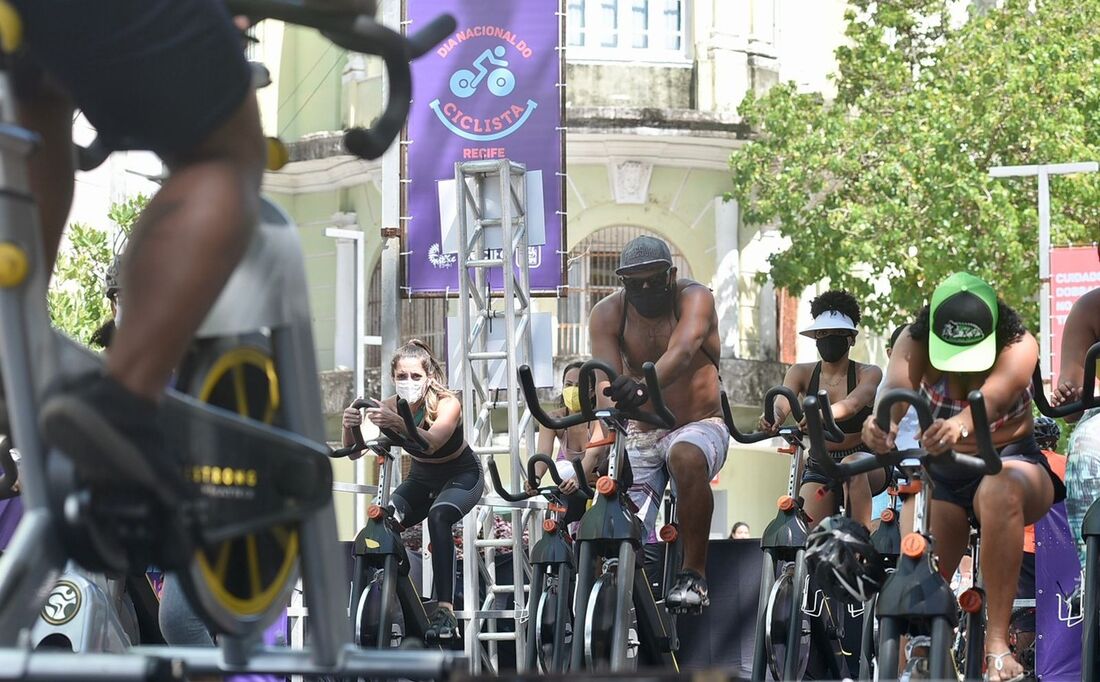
point(442, 494)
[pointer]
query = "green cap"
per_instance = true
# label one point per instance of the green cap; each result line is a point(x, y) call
point(963, 325)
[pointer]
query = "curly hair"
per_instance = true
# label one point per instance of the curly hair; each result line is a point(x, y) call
point(436, 389)
point(1010, 328)
point(838, 300)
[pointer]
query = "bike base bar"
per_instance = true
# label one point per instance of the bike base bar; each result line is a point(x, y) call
point(174, 663)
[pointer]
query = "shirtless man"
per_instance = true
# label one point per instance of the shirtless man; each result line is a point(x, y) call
point(671, 322)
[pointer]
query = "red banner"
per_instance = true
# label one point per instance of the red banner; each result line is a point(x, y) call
point(1074, 271)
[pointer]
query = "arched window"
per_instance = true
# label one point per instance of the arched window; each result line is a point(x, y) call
point(591, 272)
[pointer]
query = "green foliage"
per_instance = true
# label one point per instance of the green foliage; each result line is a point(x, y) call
point(889, 182)
point(77, 303)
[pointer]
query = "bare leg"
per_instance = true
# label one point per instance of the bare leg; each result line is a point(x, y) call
point(1004, 504)
point(817, 505)
point(688, 466)
point(858, 492)
point(184, 248)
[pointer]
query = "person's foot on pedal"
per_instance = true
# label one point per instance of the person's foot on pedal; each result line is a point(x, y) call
point(113, 437)
point(688, 594)
point(443, 626)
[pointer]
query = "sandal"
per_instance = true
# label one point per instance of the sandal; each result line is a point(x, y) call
point(999, 665)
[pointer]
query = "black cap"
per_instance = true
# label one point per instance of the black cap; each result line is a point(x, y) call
point(642, 251)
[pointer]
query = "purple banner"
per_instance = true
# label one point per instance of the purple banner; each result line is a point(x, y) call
point(1057, 571)
point(11, 510)
point(489, 91)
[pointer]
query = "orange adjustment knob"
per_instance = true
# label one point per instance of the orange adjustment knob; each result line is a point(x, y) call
point(785, 503)
point(379, 460)
point(556, 508)
point(606, 486)
point(550, 525)
point(888, 515)
point(789, 450)
point(669, 533)
point(971, 601)
point(913, 545)
point(374, 512)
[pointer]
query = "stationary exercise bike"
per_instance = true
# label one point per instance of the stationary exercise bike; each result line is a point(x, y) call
point(387, 610)
point(1090, 528)
point(916, 600)
point(550, 633)
point(260, 507)
point(621, 623)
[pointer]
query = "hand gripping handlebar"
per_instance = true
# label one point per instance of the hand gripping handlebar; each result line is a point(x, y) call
point(987, 462)
point(412, 442)
point(1088, 389)
point(821, 427)
point(769, 414)
point(661, 416)
point(532, 479)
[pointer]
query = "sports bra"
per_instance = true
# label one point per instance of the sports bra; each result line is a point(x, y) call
point(676, 315)
point(945, 407)
point(853, 424)
point(446, 452)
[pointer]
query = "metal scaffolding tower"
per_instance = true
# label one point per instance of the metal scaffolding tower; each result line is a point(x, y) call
point(494, 289)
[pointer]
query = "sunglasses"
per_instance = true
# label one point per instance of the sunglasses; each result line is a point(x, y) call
point(637, 284)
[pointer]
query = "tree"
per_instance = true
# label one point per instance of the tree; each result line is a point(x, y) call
point(889, 181)
point(76, 298)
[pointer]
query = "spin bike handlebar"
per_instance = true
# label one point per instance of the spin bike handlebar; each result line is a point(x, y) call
point(11, 473)
point(769, 414)
point(660, 417)
point(821, 427)
point(987, 462)
point(412, 441)
point(533, 480)
point(1088, 397)
point(351, 31)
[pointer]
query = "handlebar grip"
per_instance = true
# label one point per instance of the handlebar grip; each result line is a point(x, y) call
point(792, 400)
point(499, 487)
point(668, 420)
point(582, 479)
point(865, 462)
point(744, 438)
point(661, 417)
point(413, 433)
point(421, 42)
point(532, 479)
point(1088, 389)
point(902, 395)
point(832, 432)
point(988, 460)
point(819, 453)
point(530, 394)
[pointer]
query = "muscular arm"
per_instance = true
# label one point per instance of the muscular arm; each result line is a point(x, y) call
point(695, 324)
point(1010, 377)
point(861, 396)
point(1081, 331)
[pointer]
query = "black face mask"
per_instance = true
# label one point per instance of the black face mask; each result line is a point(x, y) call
point(832, 348)
point(650, 301)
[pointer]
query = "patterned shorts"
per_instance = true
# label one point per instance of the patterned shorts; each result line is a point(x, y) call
point(648, 452)
point(1082, 473)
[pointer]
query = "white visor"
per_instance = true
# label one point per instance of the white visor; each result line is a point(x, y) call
point(828, 320)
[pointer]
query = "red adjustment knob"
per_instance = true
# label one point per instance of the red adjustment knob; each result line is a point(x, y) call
point(550, 525)
point(971, 601)
point(374, 512)
point(606, 486)
point(669, 533)
point(913, 545)
point(785, 503)
point(888, 515)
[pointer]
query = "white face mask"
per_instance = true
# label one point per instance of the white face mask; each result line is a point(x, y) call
point(409, 390)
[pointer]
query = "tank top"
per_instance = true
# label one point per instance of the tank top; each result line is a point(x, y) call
point(853, 424)
point(945, 407)
point(446, 452)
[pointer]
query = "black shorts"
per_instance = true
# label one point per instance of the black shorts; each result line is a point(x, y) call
point(961, 490)
point(149, 74)
point(814, 474)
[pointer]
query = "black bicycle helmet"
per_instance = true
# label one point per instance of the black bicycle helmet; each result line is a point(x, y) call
point(1047, 432)
point(843, 561)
